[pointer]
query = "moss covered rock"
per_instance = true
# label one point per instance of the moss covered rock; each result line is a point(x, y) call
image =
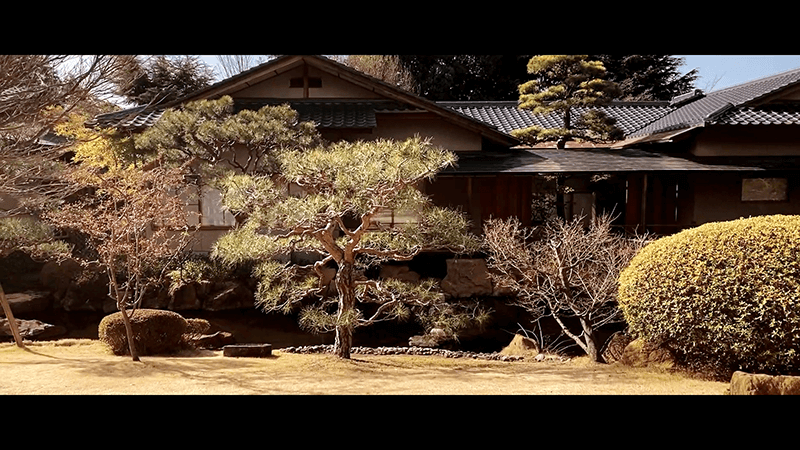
point(155, 332)
point(724, 296)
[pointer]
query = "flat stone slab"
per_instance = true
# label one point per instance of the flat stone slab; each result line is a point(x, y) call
point(247, 350)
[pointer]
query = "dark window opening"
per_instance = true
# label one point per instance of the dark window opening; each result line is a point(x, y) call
point(313, 82)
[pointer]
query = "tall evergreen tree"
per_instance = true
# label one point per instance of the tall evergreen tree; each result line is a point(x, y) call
point(466, 77)
point(496, 77)
point(163, 78)
point(647, 77)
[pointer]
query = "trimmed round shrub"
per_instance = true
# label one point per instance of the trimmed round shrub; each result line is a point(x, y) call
point(723, 296)
point(155, 332)
point(197, 326)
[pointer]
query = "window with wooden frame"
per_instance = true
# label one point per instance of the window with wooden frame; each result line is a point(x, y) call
point(388, 218)
point(765, 189)
point(204, 209)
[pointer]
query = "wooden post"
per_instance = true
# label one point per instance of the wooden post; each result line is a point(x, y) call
point(12, 323)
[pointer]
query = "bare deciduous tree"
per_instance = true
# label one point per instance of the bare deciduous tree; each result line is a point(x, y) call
point(36, 92)
point(136, 224)
point(383, 67)
point(566, 271)
point(231, 65)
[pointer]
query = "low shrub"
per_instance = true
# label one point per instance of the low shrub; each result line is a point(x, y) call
point(155, 332)
point(197, 326)
point(723, 296)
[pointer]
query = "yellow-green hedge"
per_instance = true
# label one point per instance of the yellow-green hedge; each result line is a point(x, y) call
point(724, 295)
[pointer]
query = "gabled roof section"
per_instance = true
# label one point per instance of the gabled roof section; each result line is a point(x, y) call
point(743, 104)
point(283, 64)
point(507, 116)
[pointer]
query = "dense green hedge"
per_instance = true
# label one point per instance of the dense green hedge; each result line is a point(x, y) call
point(723, 296)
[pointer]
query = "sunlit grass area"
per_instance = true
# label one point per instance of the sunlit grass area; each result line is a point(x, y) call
point(87, 367)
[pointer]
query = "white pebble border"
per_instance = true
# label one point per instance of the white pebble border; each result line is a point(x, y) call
point(405, 351)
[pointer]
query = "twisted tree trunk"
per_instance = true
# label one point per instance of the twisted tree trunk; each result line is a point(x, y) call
point(347, 303)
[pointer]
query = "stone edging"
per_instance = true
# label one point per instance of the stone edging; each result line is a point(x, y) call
point(405, 351)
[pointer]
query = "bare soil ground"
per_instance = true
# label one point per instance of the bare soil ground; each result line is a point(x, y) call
point(86, 367)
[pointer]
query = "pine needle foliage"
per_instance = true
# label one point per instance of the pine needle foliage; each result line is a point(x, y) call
point(214, 133)
point(345, 186)
point(561, 84)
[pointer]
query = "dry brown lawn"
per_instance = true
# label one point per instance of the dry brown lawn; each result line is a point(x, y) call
point(86, 367)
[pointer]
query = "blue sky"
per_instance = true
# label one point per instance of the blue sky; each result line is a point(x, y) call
point(721, 71)
point(716, 71)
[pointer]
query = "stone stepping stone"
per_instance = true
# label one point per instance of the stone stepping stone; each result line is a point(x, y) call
point(247, 350)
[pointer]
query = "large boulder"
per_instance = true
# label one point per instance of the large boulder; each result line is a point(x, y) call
point(185, 298)
point(432, 339)
point(230, 295)
point(760, 384)
point(58, 276)
point(467, 278)
point(27, 302)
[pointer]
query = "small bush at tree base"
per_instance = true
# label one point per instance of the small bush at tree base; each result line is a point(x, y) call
point(155, 332)
point(723, 296)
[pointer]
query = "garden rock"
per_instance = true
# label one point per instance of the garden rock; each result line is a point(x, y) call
point(433, 338)
point(521, 346)
point(31, 329)
point(639, 353)
point(466, 278)
point(402, 273)
point(27, 302)
point(615, 347)
point(247, 350)
point(212, 341)
point(57, 276)
point(232, 296)
point(761, 384)
point(185, 298)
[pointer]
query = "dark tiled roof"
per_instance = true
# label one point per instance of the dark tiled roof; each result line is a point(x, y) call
point(506, 116)
point(332, 114)
point(130, 119)
point(326, 114)
point(580, 161)
point(764, 115)
point(733, 105)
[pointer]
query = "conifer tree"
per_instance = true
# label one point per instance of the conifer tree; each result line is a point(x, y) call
point(561, 84)
point(346, 188)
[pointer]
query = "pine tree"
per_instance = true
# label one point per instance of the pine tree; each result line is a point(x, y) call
point(346, 188)
point(561, 84)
